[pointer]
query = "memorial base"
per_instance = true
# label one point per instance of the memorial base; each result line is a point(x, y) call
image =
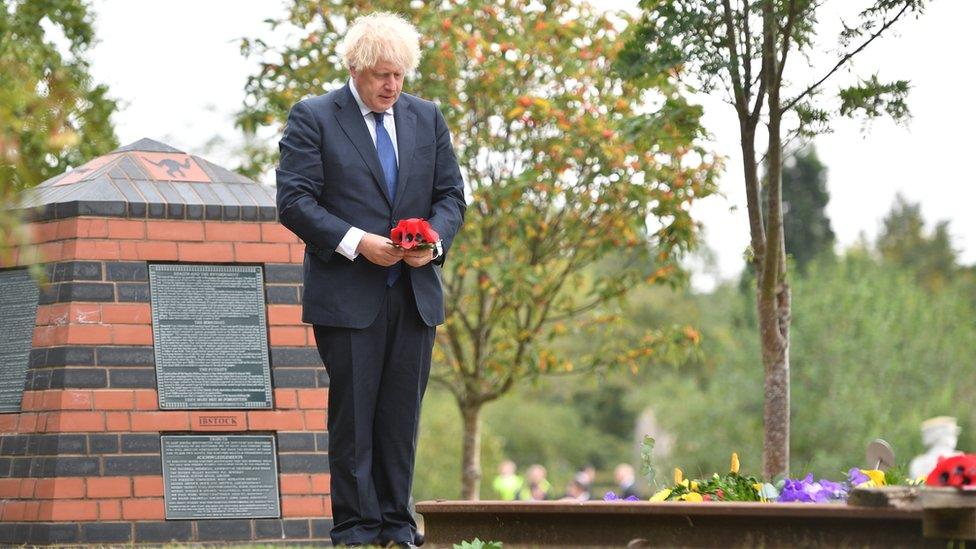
point(262, 531)
point(170, 308)
point(645, 524)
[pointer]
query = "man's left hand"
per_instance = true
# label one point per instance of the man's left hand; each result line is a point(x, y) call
point(418, 258)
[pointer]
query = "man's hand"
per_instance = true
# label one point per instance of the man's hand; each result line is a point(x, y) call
point(418, 258)
point(379, 250)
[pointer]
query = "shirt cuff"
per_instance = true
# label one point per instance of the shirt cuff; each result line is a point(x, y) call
point(349, 243)
point(438, 250)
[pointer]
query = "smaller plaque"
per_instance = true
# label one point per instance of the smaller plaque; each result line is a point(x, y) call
point(229, 476)
point(18, 314)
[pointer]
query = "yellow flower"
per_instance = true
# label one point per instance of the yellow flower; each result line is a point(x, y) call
point(678, 475)
point(694, 486)
point(692, 496)
point(661, 495)
point(734, 467)
point(877, 477)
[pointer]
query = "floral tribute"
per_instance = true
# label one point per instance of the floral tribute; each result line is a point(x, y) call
point(414, 233)
point(730, 487)
point(955, 471)
point(734, 486)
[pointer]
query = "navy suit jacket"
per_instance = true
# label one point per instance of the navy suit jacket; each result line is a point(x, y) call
point(330, 179)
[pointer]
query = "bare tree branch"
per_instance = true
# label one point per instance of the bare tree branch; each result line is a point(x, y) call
point(737, 85)
point(843, 60)
point(787, 34)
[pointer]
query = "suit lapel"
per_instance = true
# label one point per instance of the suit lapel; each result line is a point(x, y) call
point(406, 130)
point(351, 119)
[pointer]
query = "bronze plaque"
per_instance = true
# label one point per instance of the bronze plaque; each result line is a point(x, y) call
point(210, 336)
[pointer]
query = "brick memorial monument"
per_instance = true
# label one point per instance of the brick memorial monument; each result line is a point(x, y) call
point(159, 385)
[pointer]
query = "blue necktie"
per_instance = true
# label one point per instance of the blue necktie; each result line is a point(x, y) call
point(384, 148)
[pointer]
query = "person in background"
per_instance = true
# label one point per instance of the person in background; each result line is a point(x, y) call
point(536, 487)
point(507, 483)
point(625, 478)
point(577, 489)
point(587, 475)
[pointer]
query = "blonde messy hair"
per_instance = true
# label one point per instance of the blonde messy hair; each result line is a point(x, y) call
point(381, 36)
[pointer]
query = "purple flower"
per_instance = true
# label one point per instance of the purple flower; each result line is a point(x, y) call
point(610, 496)
point(805, 490)
point(855, 476)
point(797, 490)
point(835, 490)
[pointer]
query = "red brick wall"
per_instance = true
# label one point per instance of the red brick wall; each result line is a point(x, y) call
point(85, 447)
point(160, 240)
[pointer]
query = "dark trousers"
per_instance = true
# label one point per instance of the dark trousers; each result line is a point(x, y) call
point(377, 378)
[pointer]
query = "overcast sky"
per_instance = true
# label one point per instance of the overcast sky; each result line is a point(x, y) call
point(177, 68)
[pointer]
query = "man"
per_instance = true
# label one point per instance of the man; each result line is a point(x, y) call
point(353, 163)
point(626, 480)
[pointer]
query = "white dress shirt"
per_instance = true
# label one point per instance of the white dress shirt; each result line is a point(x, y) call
point(350, 242)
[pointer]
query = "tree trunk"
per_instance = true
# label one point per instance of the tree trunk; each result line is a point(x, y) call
point(774, 311)
point(774, 292)
point(471, 451)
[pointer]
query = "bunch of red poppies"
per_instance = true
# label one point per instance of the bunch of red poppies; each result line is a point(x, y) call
point(414, 233)
point(958, 471)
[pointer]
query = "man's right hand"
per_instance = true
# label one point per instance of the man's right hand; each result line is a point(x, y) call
point(379, 250)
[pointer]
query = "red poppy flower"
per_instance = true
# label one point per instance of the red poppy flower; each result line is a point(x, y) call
point(958, 471)
point(413, 233)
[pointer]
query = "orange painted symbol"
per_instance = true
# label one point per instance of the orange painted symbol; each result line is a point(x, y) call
point(84, 170)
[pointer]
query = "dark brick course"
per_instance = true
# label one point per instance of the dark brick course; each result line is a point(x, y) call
point(296, 442)
point(86, 291)
point(296, 356)
point(303, 463)
point(133, 292)
point(132, 378)
point(282, 295)
point(273, 529)
point(283, 273)
point(104, 444)
point(163, 532)
point(77, 378)
point(74, 270)
point(106, 532)
point(60, 466)
point(70, 356)
point(140, 444)
point(127, 271)
point(223, 530)
point(125, 356)
point(49, 445)
point(54, 533)
point(321, 528)
point(133, 465)
point(288, 378)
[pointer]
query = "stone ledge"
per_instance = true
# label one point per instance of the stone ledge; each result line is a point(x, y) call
point(646, 524)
